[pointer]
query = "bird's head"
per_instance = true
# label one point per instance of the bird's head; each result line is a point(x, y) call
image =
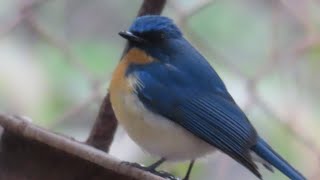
point(151, 33)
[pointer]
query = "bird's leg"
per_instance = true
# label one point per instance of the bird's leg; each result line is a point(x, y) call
point(186, 177)
point(152, 169)
point(156, 164)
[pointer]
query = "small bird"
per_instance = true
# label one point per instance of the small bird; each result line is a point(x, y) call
point(174, 105)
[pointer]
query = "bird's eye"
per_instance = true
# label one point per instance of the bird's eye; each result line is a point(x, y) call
point(162, 35)
point(154, 36)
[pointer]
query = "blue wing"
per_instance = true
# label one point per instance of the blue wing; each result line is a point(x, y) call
point(207, 112)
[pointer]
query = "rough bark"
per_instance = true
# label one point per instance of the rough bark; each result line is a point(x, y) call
point(32, 153)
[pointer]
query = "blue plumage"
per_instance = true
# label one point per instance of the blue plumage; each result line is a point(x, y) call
point(154, 24)
point(181, 86)
point(190, 101)
point(267, 153)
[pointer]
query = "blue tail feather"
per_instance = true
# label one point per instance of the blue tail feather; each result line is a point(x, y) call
point(263, 150)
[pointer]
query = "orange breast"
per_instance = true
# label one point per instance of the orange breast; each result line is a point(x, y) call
point(121, 86)
point(119, 81)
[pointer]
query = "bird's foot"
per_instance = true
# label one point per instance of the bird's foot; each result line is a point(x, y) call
point(162, 174)
point(136, 165)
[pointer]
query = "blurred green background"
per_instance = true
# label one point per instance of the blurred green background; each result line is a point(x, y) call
point(56, 59)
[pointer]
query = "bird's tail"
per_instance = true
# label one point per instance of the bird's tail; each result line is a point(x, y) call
point(263, 150)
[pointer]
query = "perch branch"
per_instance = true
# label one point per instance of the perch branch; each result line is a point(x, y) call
point(22, 127)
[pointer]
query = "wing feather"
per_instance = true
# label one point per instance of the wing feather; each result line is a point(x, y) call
point(217, 126)
point(213, 117)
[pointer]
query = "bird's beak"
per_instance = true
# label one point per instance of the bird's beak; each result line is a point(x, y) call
point(131, 37)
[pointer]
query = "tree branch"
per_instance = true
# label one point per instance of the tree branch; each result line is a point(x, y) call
point(102, 133)
point(22, 128)
point(151, 7)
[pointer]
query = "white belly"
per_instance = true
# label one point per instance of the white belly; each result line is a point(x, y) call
point(154, 133)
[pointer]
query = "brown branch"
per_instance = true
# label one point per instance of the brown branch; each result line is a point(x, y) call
point(151, 7)
point(103, 130)
point(102, 133)
point(22, 128)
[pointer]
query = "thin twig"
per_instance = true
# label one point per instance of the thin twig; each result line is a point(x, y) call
point(306, 44)
point(23, 13)
point(285, 124)
point(273, 59)
point(300, 10)
point(183, 15)
point(91, 99)
point(58, 43)
point(219, 57)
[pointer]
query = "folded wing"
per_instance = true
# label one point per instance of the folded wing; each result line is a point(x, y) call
point(210, 115)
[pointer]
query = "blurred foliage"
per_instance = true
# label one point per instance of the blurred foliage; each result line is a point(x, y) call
point(39, 79)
